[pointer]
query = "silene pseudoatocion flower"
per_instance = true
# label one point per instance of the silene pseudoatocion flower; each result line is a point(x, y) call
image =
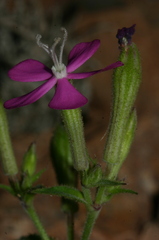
point(66, 96)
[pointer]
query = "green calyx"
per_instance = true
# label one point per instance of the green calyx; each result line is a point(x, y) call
point(7, 159)
point(126, 82)
point(74, 126)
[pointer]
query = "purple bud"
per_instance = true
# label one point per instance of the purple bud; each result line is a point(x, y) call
point(124, 35)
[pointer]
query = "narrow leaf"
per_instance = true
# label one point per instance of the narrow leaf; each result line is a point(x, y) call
point(7, 188)
point(121, 190)
point(35, 177)
point(105, 182)
point(63, 191)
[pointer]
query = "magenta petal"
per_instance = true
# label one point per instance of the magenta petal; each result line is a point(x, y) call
point(88, 74)
point(81, 53)
point(30, 71)
point(66, 96)
point(32, 96)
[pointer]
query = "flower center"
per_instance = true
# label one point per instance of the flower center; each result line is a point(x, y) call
point(58, 69)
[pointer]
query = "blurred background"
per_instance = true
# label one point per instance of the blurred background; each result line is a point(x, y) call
point(125, 217)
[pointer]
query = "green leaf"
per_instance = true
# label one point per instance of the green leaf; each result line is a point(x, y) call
point(28, 181)
point(37, 175)
point(116, 190)
point(7, 188)
point(105, 182)
point(121, 190)
point(63, 191)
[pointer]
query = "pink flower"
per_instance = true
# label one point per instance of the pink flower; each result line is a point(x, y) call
point(66, 96)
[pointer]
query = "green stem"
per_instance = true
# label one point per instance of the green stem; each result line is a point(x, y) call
point(7, 155)
point(33, 215)
point(90, 221)
point(70, 226)
point(100, 194)
point(74, 126)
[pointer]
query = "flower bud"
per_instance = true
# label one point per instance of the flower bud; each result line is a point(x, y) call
point(29, 161)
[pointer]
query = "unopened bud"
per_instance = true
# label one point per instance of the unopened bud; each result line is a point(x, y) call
point(29, 160)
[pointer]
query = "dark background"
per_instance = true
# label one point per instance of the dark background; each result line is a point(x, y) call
point(125, 217)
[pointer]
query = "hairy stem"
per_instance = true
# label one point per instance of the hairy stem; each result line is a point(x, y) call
point(33, 215)
point(90, 221)
point(70, 226)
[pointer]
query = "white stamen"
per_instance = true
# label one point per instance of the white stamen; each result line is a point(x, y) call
point(59, 69)
point(63, 44)
point(42, 45)
point(53, 54)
